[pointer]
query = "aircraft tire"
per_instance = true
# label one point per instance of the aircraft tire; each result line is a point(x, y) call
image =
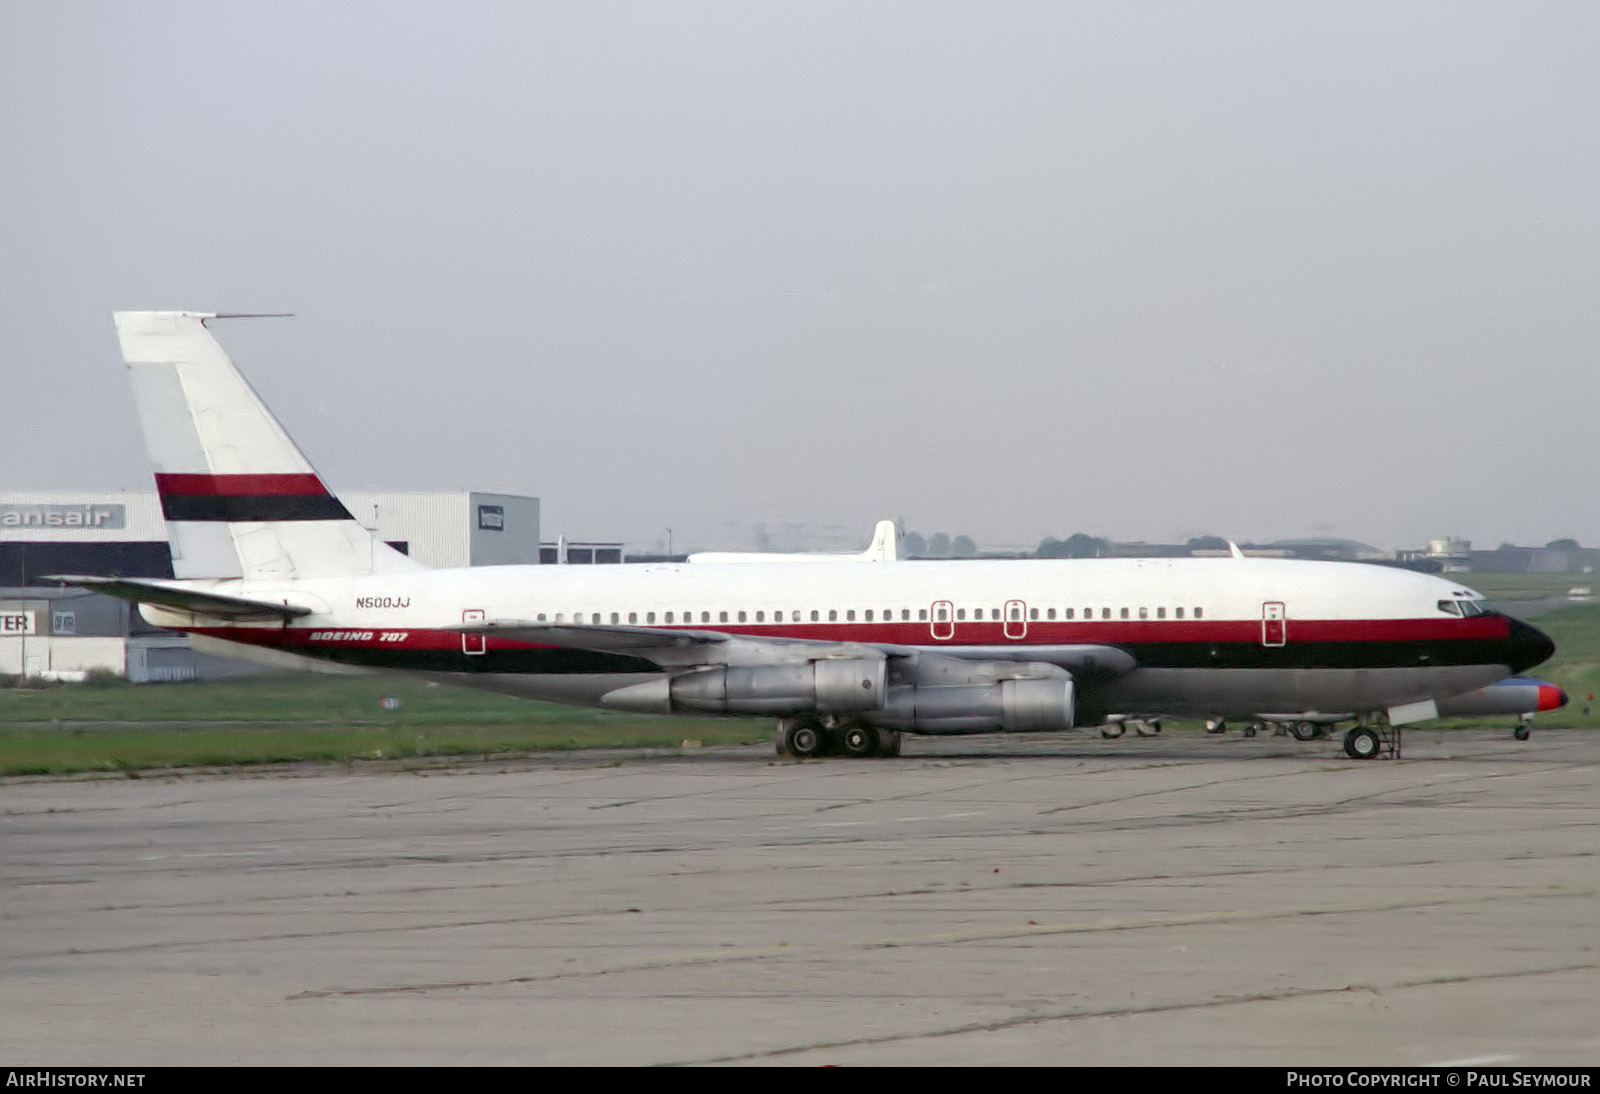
point(804, 739)
point(1304, 731)
point(1361, 743)
point(889, 742)
point(1521, 733)
point(860, 741)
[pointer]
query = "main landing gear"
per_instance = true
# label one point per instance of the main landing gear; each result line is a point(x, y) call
point(1368, 742)
point(807, 737)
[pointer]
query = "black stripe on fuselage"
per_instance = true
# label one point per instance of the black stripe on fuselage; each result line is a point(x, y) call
point(1322, 655)
point(252, 507)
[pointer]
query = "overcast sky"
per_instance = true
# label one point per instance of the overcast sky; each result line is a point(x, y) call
point(1008, 269)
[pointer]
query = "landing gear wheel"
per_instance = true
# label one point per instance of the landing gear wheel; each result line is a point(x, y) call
point(1305, 731)
point(1251, 729)
point(888, 742)
point(860, 741)
point(1361, 743)
point(1522, 732)
point(1112, 729)
point(1217, 725)
point(804, 740)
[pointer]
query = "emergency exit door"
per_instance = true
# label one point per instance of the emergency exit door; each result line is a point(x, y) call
point(473, 643)
point(1016, 619)
point(1274, 623)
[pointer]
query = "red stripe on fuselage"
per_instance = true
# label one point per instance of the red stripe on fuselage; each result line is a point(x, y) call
point(292, 485)
point(910, 633)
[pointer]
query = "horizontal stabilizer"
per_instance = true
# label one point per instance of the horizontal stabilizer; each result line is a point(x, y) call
point(181, 596)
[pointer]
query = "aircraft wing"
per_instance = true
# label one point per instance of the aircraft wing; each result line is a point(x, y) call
point(605, 638)
point(677, 648)
point(182, 597)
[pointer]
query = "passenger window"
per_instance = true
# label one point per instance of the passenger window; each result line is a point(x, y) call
point(761, 617)
point(1033, 613)
point(1197, 613)
point(633, 617)
point(1180, 613)
point(1161, 613)
point(615, 618)
point(669, 617)
point(541, 617)
point(1144, 613)
point(650, 617)
point(868, 616)
point(1067, 614)
point(741, 617)
point(1105, 613)
point(595, 618)
point(559, 617)
point(961, 613)
point(850, 615)
point(1124, 613)
point(814, 615)
point(1050, 613)
point(922, 614)
point(722, 617)
point(833, 615)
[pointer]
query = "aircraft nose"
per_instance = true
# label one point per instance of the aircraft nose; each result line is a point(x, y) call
point(1528, 646)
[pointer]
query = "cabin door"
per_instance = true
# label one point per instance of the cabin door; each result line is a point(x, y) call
point(942, 620)
point(1274, 623)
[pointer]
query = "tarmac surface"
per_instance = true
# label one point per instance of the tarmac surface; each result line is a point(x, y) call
point(1003, 900)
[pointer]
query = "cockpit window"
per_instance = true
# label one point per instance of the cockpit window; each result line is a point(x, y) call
point(1470, 608)
point(1449, 607)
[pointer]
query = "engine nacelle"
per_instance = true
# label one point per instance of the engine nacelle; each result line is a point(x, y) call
point(1016, 706)
point(824, 687)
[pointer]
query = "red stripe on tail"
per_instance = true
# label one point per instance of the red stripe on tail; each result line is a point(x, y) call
point(294, 485)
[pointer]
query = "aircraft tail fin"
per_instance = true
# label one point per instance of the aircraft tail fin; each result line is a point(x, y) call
point(239, 498)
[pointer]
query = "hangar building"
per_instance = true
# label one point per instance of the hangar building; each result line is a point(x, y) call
point(58, 633)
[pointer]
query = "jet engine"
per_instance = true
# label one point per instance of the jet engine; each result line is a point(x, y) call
point(837, 686)
point(1029, 705)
